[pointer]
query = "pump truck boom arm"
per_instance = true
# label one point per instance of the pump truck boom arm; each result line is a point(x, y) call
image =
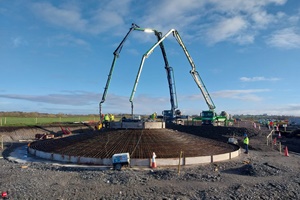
point(170, 75)
point(169, 70)
point(116, 55)
point(193, 71)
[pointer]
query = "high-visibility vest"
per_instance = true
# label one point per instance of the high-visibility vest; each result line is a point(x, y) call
point(106, 118)
point(153, 116)
point(246, 140)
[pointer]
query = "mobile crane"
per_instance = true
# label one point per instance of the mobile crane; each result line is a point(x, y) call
point(169, 71)
point(207, 117)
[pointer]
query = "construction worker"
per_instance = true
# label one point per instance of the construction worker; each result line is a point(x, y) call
point(153, 116)
point(98, 126)
point(246, 143)
point(106, 117)
point(112, 117)
point(271, 125)
point(106, 120)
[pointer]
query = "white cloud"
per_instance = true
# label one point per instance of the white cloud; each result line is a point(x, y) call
point(262, 18)
point(245, 38)
point(67, 40)
point(87, 102)
point(65, 17)
point(18, 41)
point(104, 21)
point(294, 19)
point(288, 38)
point(250, 17)
point(104, 16)
point(290, 109)
point(283, 109)
point(226, 29)
point(74, 98)
point(238, 21)
point(258, 78)
point(246, 6)
point(248, 95)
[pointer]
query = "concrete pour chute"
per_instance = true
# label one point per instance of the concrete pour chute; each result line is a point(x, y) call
point(98, 147)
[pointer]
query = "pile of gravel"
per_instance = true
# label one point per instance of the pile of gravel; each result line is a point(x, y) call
point(258, 170)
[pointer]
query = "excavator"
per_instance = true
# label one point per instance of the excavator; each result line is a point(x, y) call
point(169, 71)
point(208, 117)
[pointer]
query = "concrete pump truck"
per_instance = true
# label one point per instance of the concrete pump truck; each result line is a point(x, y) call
point(208, 117)
point(169, 71)
point(174, 114)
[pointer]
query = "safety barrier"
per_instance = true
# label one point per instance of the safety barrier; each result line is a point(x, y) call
point(274, 143)
point(270, 138)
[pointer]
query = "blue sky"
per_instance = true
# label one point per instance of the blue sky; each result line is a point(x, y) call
point(55, 55)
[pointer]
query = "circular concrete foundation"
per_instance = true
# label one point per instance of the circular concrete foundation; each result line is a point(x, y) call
point(98, 147)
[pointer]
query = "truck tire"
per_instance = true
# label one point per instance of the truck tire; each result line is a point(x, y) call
point(118, 166)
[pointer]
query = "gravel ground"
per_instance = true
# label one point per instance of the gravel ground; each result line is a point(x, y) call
point(261, 174)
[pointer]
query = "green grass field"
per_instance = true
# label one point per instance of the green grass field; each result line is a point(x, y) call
point(31, 121)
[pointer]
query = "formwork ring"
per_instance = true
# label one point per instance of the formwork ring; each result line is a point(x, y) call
point(97, 148)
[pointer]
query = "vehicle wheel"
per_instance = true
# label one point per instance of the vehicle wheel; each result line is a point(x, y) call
point(118, 166)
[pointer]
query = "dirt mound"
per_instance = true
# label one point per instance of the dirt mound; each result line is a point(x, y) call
point(11, 134)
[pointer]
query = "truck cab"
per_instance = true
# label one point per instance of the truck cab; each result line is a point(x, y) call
point(208, 117)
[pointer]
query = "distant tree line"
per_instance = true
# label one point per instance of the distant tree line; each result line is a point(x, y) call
point(57, 115)
point(258, 117)
point(37, 114)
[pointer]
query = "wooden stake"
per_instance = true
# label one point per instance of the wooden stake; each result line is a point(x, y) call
point(1, 141)
point(180, 155)
point(280, 148)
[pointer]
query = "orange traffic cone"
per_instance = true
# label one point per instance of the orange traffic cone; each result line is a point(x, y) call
point(286, 151)
point(153, 165)
point(279, 135)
